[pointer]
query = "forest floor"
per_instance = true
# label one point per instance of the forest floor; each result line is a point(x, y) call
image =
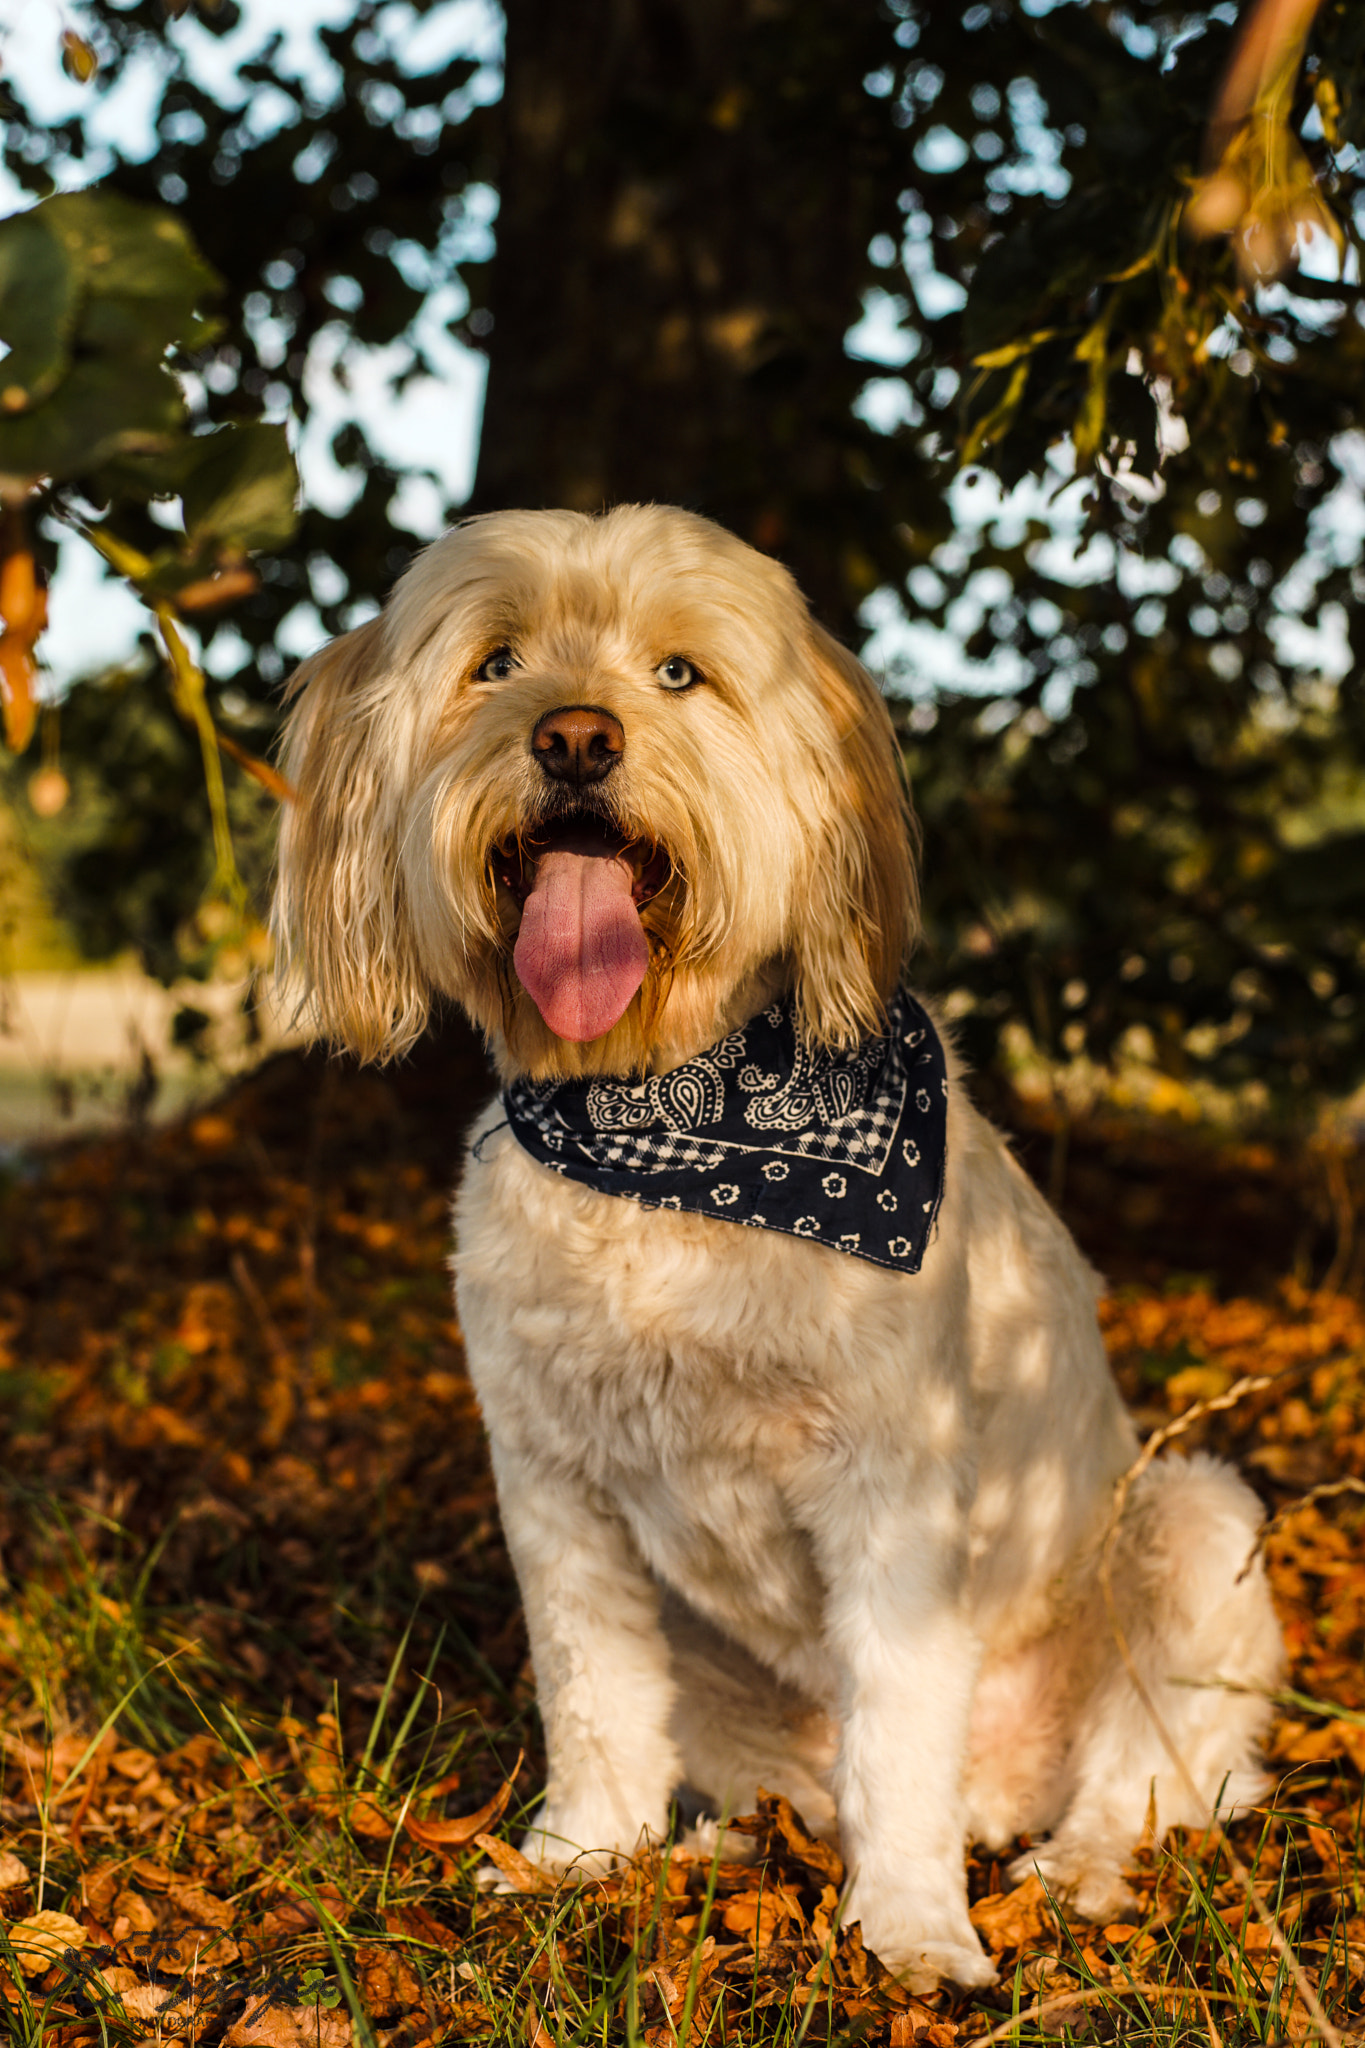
point(264, 1692)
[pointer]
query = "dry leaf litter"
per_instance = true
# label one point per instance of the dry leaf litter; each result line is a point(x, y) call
point(264, 1692)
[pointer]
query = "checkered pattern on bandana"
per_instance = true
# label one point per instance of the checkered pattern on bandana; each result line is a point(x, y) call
point(845, 1148)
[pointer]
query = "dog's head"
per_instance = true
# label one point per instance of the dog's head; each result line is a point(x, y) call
point(603, 781)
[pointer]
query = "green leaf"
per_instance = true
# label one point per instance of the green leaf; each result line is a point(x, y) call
point(94, 290)
point(39, 301)
point(160, 474)
point(100, 410)
point(242, 490)
point(1093, 350)
point(125, 327)
point(995, 424)
point(130, 251)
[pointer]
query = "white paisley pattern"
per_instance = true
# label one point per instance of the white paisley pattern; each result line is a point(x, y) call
point(775, 1116)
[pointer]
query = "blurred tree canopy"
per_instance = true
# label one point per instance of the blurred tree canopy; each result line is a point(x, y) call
point(909, 296)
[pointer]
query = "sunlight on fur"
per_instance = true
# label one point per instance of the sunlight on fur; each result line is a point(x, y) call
point(780, 1515)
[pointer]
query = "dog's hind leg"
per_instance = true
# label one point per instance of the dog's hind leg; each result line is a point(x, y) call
point(738, 1728)
point(1017, 1754)
point(1193, 1602)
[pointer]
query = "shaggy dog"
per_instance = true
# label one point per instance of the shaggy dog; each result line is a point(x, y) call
point(780, 1514)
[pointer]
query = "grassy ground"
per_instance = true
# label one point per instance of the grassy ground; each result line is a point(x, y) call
point(264, 1692)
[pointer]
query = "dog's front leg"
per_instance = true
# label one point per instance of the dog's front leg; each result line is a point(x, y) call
point(602, 1669)
point(894, 1561)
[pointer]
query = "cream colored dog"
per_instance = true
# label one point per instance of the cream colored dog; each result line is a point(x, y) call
point(779, 1515)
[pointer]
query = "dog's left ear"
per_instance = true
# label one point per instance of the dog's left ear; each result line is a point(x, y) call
point(861, 913)
point(341, 913)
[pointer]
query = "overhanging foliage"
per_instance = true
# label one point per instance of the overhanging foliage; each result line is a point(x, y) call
point(1145, 794)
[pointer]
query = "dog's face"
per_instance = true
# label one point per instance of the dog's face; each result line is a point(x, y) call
point(595, 778)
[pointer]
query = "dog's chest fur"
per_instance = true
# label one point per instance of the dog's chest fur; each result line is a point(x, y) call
point(704, 1381)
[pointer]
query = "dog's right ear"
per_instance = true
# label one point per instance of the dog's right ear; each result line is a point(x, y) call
point(342, 929)
point(861, 909)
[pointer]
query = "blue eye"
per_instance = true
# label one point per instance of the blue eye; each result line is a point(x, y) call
point(677, 673)
point(496, 667)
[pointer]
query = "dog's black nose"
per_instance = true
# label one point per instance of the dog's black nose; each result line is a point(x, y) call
point(579, 743)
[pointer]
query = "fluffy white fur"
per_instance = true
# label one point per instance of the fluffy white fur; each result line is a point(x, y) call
point(779, 1516)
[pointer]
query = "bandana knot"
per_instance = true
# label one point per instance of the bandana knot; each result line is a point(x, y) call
point(846, 1148)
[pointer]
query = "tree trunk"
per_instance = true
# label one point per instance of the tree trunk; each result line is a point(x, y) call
point(688, 191)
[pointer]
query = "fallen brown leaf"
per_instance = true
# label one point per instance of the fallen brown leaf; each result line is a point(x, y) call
point(100, 1887)
point(453, 1834)
point(368, 1821)
point(533, 2028)
point(143, 2001)
point(1007, 1920)
point(132, 1763)
point(762, 1914)
point(192, 1902)
point(131, 1911)
point(809, 1849)
point(516, 1868)
point(450, 1783)
point(417, 1924)
point(321, 1749)
point(42, 1939)
point(919, 2026)
point(44, 1770)
point(290, 2026)
point(822, 1919)
point(387, 1983)
point(115, 1979)
point(190, 1951)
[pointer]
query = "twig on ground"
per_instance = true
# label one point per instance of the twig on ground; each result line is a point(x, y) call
point(1330, 1489)
point(1043, 2006)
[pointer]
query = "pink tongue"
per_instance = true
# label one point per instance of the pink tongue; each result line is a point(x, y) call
point(581, 952)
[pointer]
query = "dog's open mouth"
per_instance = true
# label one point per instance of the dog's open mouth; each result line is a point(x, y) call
point(581, 952)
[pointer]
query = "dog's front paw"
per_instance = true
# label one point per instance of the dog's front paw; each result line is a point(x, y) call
point(552, 1851)
point(710, 1842)
point(922, 1965)
point(1089, 1882)
point(578, 1839)
point(919, 1942)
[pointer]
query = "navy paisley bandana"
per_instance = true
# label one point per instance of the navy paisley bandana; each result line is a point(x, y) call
point(848, 1149)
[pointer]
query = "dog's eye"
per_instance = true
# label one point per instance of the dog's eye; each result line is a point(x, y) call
point(677, 674)
point(496, 667)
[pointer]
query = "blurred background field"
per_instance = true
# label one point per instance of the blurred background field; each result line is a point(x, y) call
point(86, 1046)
